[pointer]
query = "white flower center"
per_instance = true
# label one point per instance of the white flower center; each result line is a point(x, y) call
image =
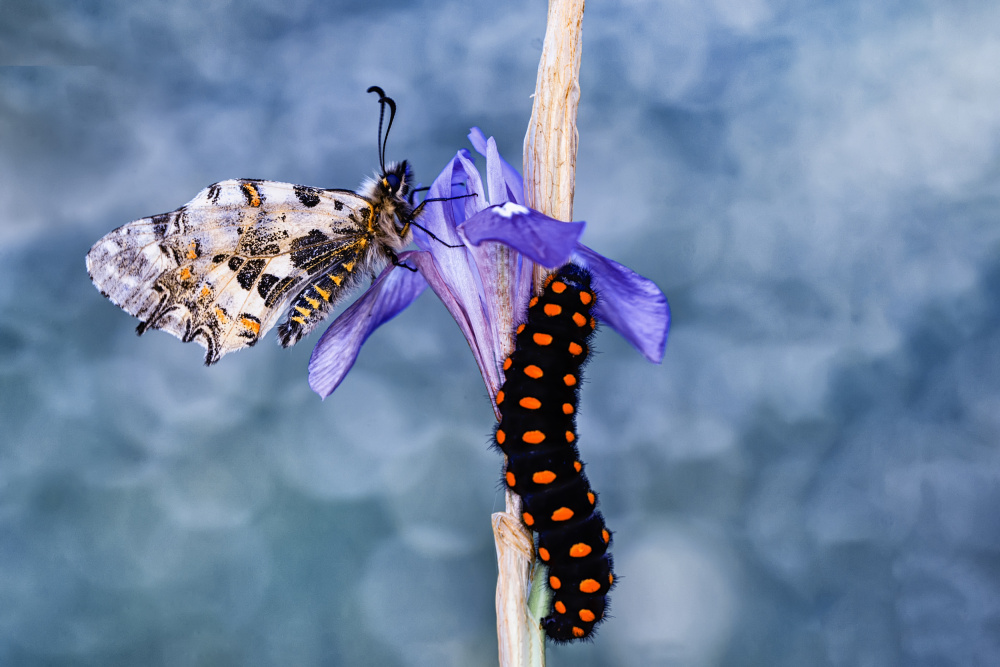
point(510, 209)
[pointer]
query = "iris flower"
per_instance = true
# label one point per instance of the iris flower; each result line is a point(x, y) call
point(499, 240)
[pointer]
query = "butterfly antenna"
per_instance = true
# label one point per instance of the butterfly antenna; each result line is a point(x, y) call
point(382, 141)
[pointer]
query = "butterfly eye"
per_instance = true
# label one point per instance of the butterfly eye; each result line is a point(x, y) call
point(392, 181)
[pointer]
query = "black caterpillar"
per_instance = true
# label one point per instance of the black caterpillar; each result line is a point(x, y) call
point(537, 432)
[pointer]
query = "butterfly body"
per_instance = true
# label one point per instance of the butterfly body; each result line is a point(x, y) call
point(222, 269)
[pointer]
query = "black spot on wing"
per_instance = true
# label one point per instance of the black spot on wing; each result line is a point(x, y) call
point(308, 196)
point(312, 251)
point(267, 281)
point(283, 286)
point(248, 274)
point(161, 223)
point(219, 258)
point(235, 263)
point(213, 193)
point(337, 204)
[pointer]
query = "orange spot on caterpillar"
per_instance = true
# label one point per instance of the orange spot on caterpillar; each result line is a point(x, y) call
point(520, 328)
point(552, 309)
point(587, 616)
point(543, 553)
point(570, 436)
point(578, 466)
point(562, 514)
point(559, 287)
point(501, 436)
point(575, 349)
point(542, 339)
point(511, 481)
point(560, 607)
point(530, 403)
point(534, 300)
point(567, 408)
point(593, 323)
point(591, 497)
point(533, 371)
point(578, 632)
point(586, 298)
point(569, 379)
point(500, 397)
point(589, 586)
point(579, 319)
point(605, 535)
point(611, 578)
point(543, 477)
point(528, 519)
point(251, 325)
point(533, 437)
point(554, 583)
point(579, 550)
point(548, 280)
point(507, 364)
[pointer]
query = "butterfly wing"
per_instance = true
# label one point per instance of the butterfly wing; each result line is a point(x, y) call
point(221, 269)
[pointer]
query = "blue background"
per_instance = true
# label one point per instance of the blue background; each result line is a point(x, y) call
point(810, 478)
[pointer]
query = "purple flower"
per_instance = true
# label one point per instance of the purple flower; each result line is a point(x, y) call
point(500, 240)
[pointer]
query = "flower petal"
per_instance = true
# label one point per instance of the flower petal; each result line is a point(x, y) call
point(338, 348)
point(545, 240)
point(628, 303)
point(461, 298)
point(511, 176)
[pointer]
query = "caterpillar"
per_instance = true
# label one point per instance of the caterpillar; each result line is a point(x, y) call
point(537, 432)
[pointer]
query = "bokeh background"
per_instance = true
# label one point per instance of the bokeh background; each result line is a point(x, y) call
point(811, 477)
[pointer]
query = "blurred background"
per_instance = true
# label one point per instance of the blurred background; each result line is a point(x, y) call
point(811, 477)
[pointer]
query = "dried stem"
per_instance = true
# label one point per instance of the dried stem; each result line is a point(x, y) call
point(549, 181)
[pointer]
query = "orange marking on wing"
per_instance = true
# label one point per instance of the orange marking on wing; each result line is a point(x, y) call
point(251, 325)
point(185, 273)
point(322, 292)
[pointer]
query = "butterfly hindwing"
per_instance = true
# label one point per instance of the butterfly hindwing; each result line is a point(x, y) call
point(223, 268)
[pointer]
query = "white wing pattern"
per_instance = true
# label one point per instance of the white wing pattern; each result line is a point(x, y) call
point(221, 269)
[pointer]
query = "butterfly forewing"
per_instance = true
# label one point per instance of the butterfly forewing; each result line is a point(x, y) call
point(223, 268)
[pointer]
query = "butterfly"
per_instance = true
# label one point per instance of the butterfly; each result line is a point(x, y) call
point(222, 269)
